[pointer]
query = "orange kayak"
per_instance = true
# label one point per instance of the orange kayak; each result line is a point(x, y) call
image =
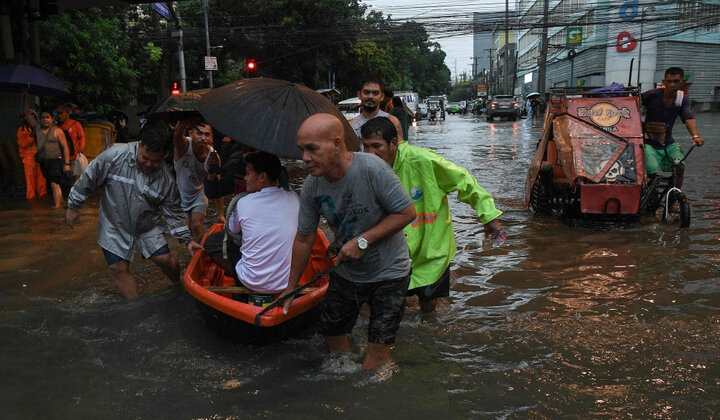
point(205, 282)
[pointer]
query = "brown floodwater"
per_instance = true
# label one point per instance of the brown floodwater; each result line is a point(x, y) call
point(559, 321)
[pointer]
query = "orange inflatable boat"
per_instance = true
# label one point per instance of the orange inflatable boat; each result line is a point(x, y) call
point(215, 294)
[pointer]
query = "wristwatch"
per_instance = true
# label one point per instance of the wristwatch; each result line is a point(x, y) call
point(362, 243)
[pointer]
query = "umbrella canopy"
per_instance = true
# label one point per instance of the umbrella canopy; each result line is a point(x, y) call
point(13, 77)
point(177, 107)
point(532, 95)
point(266, 114)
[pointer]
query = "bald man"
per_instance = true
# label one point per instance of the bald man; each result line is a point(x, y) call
point(367, 207)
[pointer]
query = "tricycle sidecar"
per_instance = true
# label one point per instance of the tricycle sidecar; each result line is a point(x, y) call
point(589, 164)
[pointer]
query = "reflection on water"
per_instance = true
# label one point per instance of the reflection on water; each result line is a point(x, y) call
point(556, 322)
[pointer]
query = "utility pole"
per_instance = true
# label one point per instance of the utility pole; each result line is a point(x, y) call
point(507, 46)
point(456, 79)
point(490, 74)
point(181, 54)
point(207, 41)
point(542, 61)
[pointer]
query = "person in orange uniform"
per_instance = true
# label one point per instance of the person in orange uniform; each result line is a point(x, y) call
point(34, 179)
point(72, 127)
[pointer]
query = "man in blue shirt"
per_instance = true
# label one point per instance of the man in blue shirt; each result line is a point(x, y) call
point(663, 106)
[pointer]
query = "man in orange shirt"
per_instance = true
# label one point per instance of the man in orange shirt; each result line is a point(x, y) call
point(72, 127)
point(34, 179)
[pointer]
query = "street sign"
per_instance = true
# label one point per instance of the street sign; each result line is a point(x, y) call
point(211, 63)
point(162, 10)
point(574, 36)
point(482, 89)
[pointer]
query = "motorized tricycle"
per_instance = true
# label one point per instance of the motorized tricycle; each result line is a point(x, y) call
point(589, 165)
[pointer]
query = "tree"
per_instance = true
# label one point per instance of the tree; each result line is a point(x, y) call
point(87, 50)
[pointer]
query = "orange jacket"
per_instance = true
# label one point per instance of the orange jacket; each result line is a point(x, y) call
point(77, 135)
point(26, 142)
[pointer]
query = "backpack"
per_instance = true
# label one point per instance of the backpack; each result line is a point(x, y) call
point(230, 236)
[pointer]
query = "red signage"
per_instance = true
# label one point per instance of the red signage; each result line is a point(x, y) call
point(625, 42)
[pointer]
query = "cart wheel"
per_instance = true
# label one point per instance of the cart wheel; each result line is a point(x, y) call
point(679, 210)
point(538, 198)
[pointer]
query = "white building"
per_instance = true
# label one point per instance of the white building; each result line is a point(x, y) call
point(608, 35)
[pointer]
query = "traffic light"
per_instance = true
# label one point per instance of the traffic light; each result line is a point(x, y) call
point(175, 90)
point(251, 67)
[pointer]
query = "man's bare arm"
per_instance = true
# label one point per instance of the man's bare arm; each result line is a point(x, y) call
point(691, 125)
point(180, 142)
point(302, 248)
point(391, 224)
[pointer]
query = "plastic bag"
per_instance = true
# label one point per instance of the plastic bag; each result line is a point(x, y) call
point(79, 164)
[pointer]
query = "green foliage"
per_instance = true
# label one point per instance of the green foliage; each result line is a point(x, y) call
point(461, 91)
point(112, 55)
point(308, 41)
point(153, 52)
point(87, 51)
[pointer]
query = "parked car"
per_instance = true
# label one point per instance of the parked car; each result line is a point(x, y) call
point(350, 107)
point(422, 112)
point(503, 106)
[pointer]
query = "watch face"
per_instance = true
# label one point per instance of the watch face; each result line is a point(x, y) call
point(362, 242)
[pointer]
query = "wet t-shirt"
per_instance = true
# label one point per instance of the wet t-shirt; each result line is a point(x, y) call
point(658, 112)
point(367, 193)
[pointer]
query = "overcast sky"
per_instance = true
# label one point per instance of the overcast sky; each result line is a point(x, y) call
point(457, 46)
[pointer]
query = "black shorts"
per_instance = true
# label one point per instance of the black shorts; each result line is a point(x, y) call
point(52, 170)
point(441, 288)
point(343, 300)
point(213, 246)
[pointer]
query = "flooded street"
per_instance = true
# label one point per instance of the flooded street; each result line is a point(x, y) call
point(558, 321)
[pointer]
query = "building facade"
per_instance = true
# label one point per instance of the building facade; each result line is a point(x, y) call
point(598, 42)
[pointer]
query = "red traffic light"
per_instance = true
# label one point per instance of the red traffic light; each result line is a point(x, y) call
point(251, 65)
point(175, 89)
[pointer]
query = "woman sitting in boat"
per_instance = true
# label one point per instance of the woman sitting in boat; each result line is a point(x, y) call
point(266, 218)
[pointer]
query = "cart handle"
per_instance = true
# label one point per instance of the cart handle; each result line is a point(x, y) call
point(688, 153)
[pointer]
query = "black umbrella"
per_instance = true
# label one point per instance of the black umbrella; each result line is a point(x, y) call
point(15, 77)
point(177, 107)
point(531, 95)
point(266, 113)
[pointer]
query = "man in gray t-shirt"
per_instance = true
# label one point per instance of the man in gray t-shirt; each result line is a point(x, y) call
point(367, 207)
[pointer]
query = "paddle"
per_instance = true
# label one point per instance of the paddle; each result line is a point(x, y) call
point(295, 292)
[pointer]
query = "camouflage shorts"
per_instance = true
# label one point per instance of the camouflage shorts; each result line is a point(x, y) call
point(343, 300)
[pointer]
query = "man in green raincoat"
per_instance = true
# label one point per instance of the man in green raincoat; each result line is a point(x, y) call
point(429, 178)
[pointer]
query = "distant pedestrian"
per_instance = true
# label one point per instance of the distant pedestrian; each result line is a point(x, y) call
point(71, 127)
point(371, 95)
point(403, 115)
point(138, 194)
point(53, 153)
point(34, 180)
